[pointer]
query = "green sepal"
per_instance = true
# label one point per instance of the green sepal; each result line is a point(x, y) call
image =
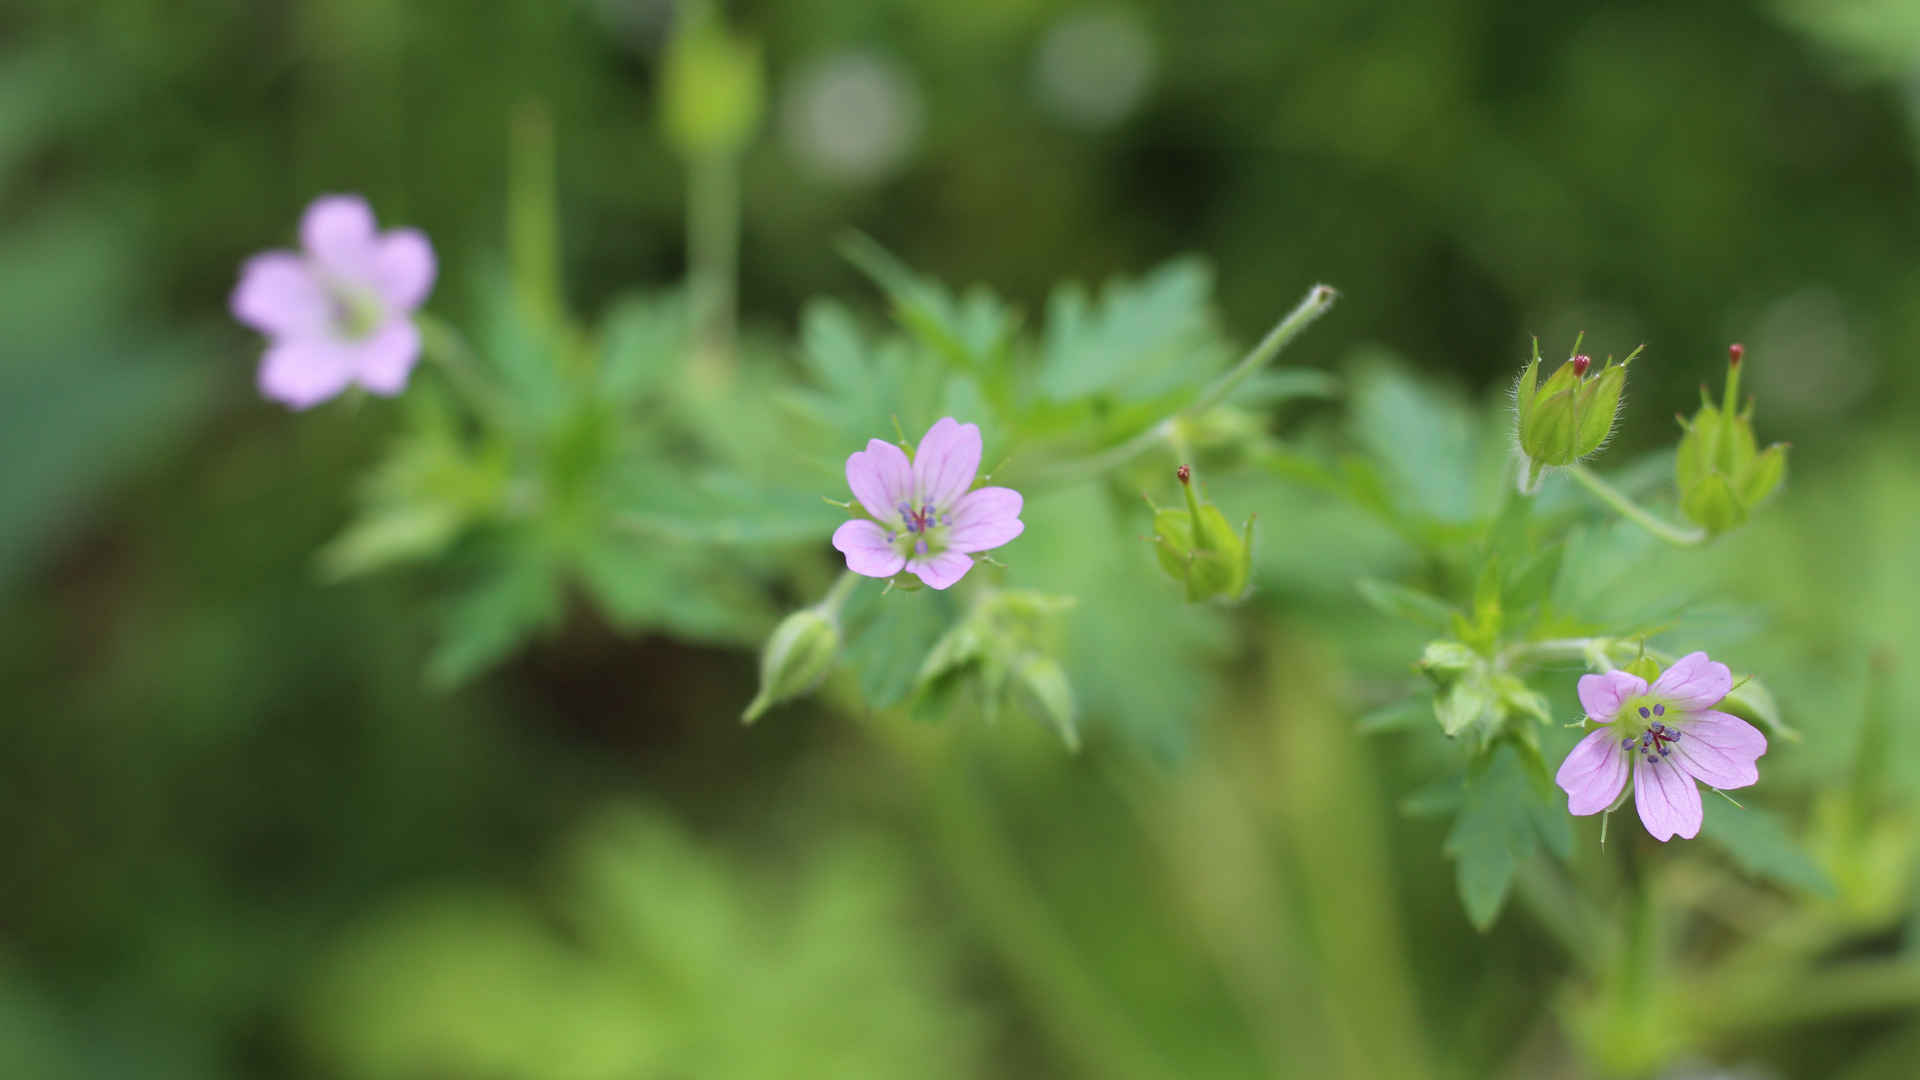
point(1599, 401)
point(1762, 475)
point(1646, 668)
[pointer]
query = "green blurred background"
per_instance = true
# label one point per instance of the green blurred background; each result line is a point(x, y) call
point(243, 838)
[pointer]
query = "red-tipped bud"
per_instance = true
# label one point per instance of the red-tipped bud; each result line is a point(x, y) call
point(1185, 473)
point(1734, 352)
point(1581, 363)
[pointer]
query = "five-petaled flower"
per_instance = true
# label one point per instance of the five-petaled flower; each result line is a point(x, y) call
point(924, 518)
point(337, 312)
point(1674, 731)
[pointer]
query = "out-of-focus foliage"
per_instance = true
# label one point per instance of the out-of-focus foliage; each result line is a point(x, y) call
point(244, 836)
point(652, 958)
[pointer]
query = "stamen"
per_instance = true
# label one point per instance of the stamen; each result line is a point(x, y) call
point(1658, 727)
point(1659, 710)
point(1644, 713)
point(1664, 750)
point(1673, 733)
point(921, 547)
point(1626, 744)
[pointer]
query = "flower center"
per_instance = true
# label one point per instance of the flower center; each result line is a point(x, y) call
point(1644, 726)
point(925, 529)
point(357, 312)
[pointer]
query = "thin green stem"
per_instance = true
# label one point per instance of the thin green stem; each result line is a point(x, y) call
point(1535, 652)
point(1318, 300)
point(713, 258)
point(836, 597)
point(1677, 535)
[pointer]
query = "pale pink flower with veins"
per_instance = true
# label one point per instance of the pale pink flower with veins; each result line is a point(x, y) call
point(925, 521)
point(340, 310)
point(1677, 735)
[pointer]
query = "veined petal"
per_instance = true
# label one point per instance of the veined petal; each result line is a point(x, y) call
point(278, 294)
point(1719, 749)
point(383, 361)
point(881, 478)
point(1668, 801)
point(1594, 773)
point(983, 520)
point(404, 268)
point(945, 462)
point(1602, 694)
point(338, 231)
point(304, 372)
point(865, 545)
point(1694, 682)
point(940, 571)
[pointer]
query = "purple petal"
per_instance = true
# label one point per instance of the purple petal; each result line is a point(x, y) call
point(881, 479)
point(279, 295)
point(1694, 682)
point(305, 372)
point(1594, 773)
point(383, 361)
point(942, 570)
point(1720, 749)
point(985, 519)
point(1602, 694)
point(865, 546)
point(338, 231)
point(945, 462)
point(1668, 801)
point(404, 268)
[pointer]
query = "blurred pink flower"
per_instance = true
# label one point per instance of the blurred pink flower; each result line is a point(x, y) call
point(924, 519)
point(338, 311)
point(1678, 736)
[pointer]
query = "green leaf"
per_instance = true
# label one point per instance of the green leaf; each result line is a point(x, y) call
point(972, 331)
point(1403, 715)
point(642, 343)
point(1141, 339)
point(1751, 700)
point(1421, 434)
point(490, 620)
point(1405, 602)
point(1758, 843)
point(1502, 821)
point(1470, 702)
point(891, 637)
point(1440, 797)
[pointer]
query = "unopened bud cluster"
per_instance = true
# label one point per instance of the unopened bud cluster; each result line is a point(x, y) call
point(1569, 415)
point(1199, 549)
point(1721, 471)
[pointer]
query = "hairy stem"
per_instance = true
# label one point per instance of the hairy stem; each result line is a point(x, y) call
point(1677, 535)
point(1318, 300)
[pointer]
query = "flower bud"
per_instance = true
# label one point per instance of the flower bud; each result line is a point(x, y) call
point(798, 655)
point(1645, 667)
point(1197, 547)
point(1721, 472)
point(1570, 415)
point(711, 86)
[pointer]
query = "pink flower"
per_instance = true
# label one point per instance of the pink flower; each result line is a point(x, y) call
point(337, 312)
point(924, 518)
point(1679, 738)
